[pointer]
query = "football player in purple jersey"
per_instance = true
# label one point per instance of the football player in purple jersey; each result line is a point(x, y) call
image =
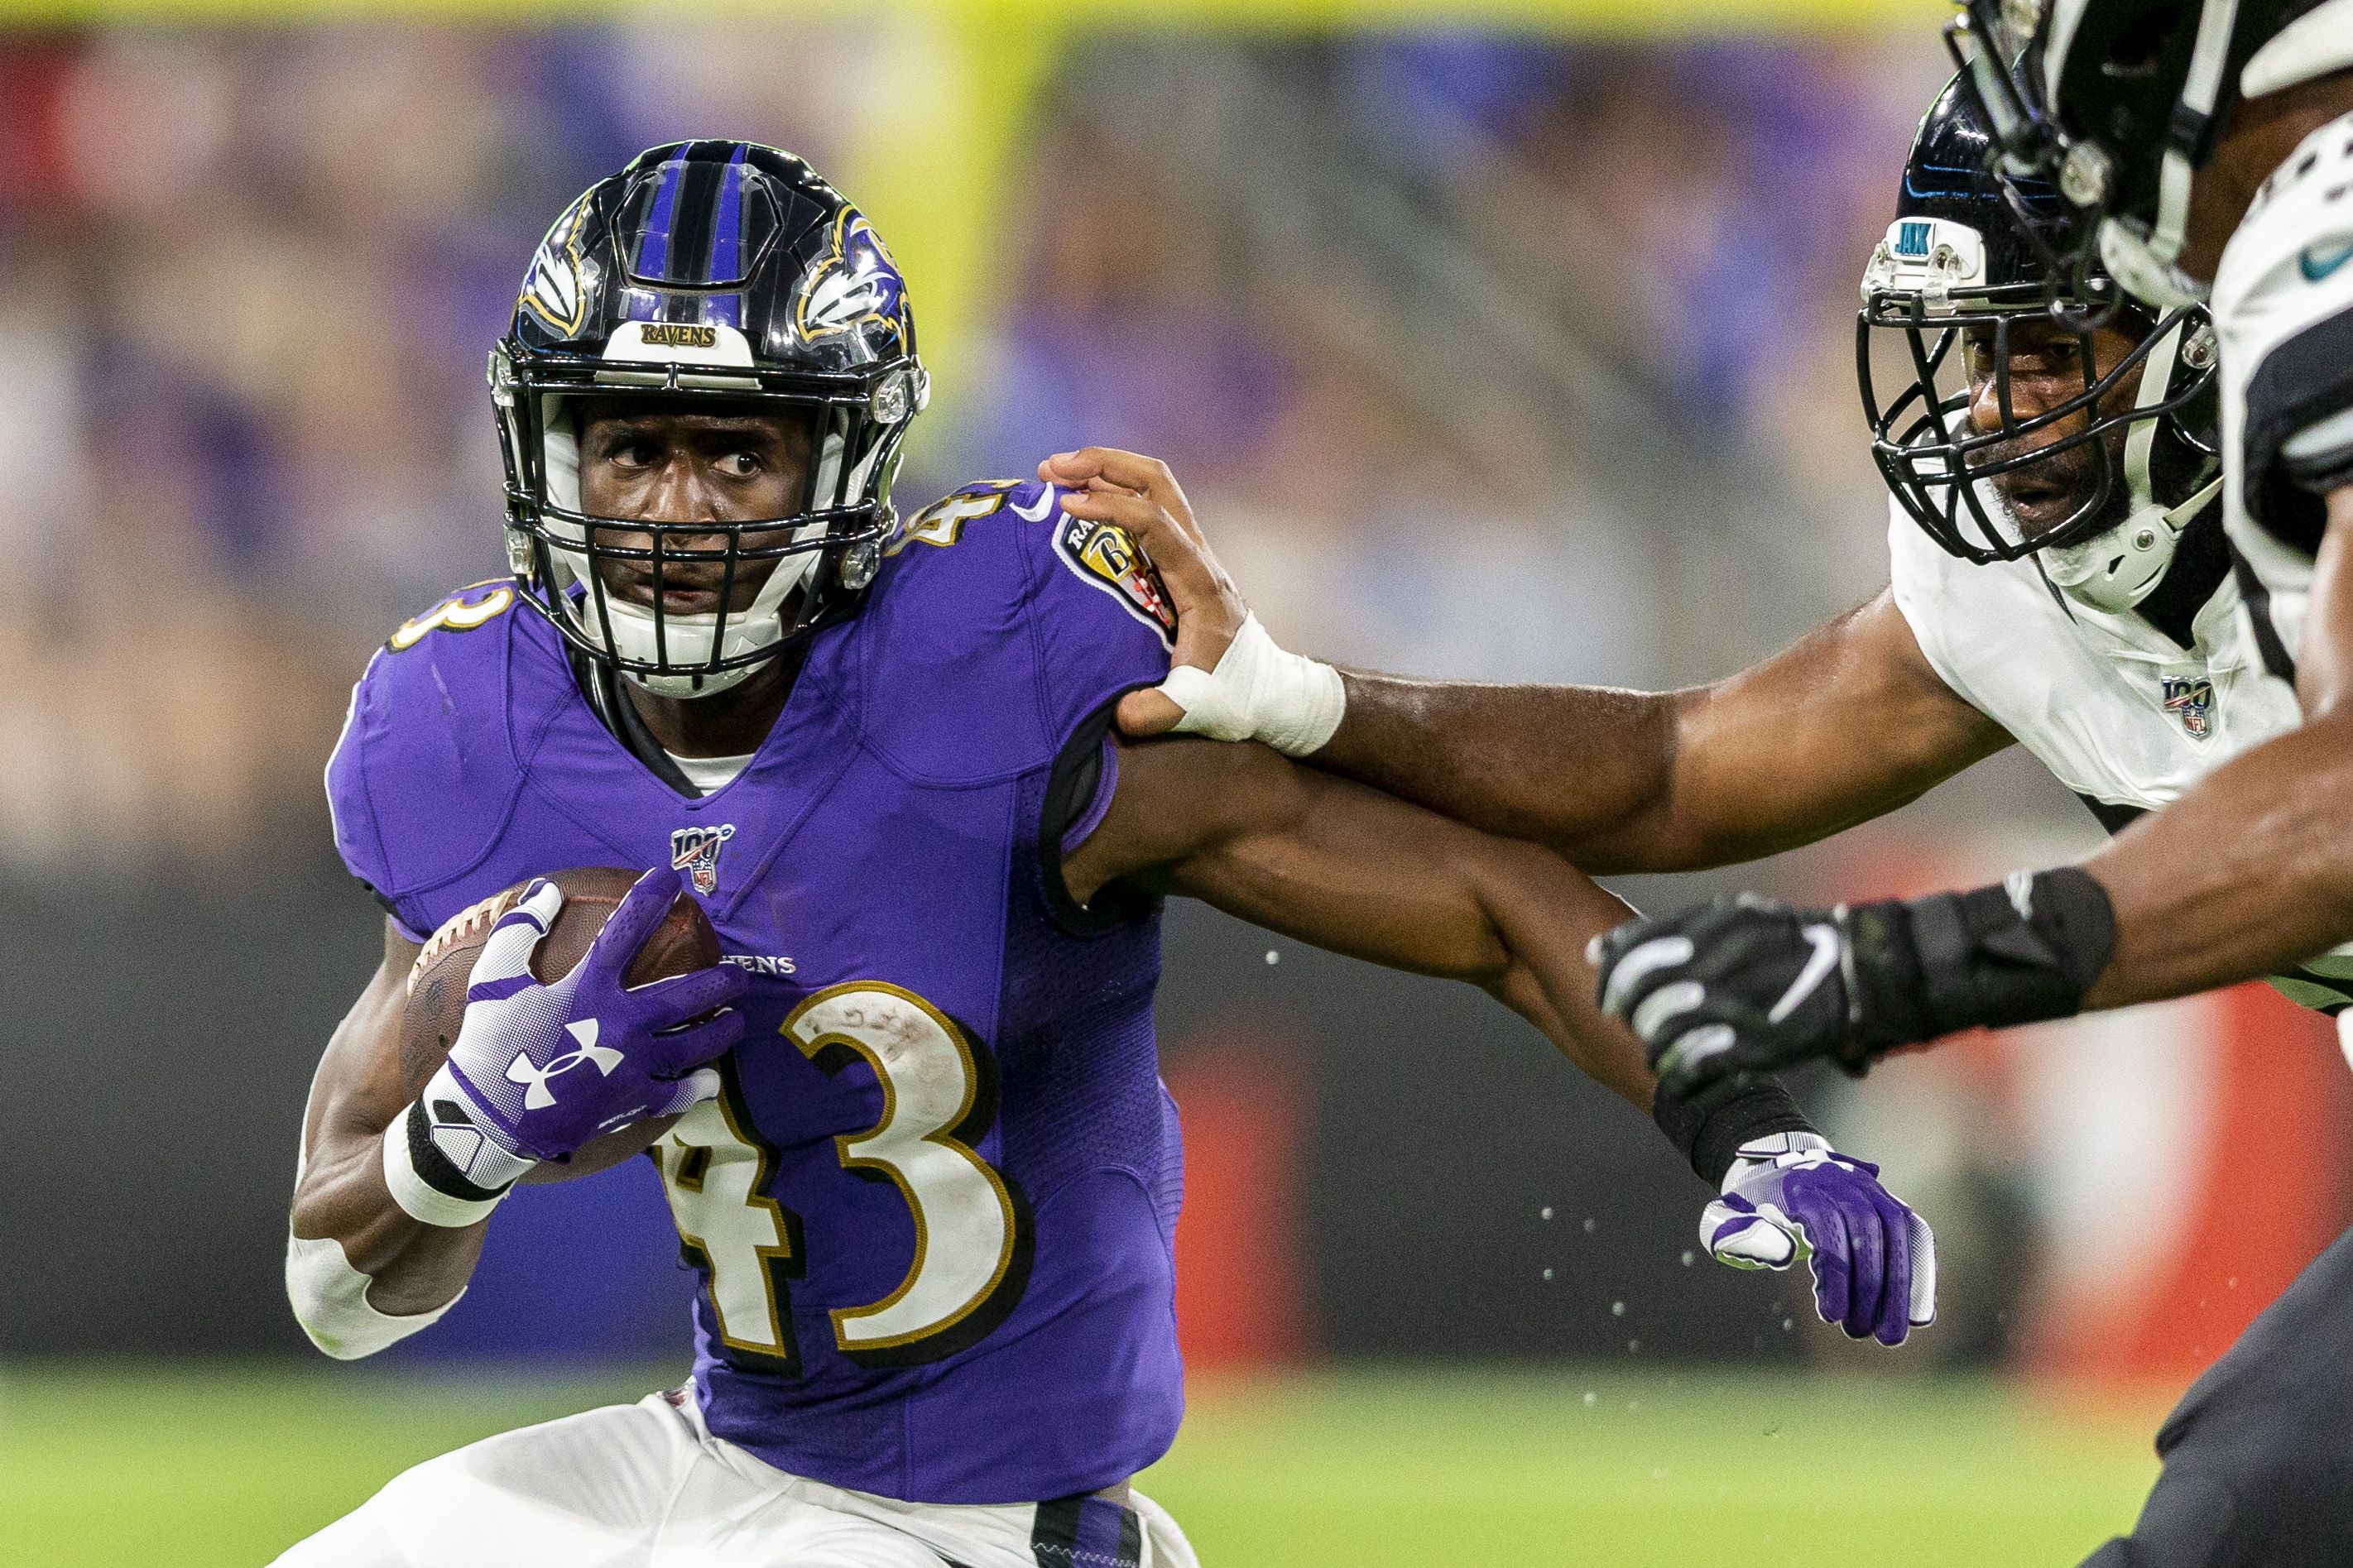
point(920, 1154)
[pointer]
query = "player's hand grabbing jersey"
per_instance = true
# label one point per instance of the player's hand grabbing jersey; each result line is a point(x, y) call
point(2283, 308)
point(933, 1209)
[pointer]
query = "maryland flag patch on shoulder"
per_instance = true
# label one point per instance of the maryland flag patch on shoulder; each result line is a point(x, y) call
point(1105, 557)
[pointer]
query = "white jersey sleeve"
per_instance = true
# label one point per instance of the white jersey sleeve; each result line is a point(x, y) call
point(2282, 310)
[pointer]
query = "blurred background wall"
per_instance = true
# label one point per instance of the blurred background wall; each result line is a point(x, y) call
point(1513, 352)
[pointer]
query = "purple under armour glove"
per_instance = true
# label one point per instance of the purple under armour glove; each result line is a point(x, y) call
point(1791, 1196)
point(545, 1069)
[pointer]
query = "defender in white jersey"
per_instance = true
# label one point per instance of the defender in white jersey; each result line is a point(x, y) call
point(2192, 140)
point(2188, 141)
point(2117, 710)
point(2058, 578)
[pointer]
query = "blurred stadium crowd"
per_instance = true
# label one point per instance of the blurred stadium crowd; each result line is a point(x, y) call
point(253, 276)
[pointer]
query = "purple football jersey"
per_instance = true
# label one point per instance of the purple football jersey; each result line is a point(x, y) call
point(932, 1213)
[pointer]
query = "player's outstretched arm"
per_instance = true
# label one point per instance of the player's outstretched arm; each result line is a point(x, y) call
point(1346, 868)
point(2249, 873)
point(1849, 723)
point(356, 1264)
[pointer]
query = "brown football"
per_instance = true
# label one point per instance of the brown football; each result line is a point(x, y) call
point(684, 942)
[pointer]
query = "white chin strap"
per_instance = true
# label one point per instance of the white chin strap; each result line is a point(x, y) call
point(2115, 571)
point(682, 639)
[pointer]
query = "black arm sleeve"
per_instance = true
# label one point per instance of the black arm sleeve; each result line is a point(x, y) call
point(1710, 1130)
point(1072, 789)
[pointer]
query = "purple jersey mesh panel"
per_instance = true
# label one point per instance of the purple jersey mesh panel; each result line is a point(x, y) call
point(1076, 1049)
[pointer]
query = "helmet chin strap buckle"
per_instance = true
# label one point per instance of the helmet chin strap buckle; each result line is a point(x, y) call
point(519, 556)
point(2114, 571)
point(859, 563)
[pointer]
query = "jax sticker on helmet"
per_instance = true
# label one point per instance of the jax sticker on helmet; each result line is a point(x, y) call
point(1959, 287)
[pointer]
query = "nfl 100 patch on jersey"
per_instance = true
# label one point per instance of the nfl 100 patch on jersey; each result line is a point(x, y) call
point(2190, 699)
point(695, 851)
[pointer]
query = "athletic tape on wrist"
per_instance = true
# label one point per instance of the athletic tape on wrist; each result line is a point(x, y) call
point(427, 1185)
point(1259, 692)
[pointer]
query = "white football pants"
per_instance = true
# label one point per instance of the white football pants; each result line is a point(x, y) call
point(645, 1485)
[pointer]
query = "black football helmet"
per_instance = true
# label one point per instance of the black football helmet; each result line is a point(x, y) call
point(1960, 270)
point(726, 271)
point(2115, 104)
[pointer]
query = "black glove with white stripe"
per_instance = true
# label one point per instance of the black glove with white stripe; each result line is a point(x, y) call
point(1745, 985)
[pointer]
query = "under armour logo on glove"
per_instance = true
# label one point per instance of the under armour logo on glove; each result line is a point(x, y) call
point(536, 1095)
point(646, 1045)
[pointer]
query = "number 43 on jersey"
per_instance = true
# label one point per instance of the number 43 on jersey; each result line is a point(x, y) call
point(971, 1241)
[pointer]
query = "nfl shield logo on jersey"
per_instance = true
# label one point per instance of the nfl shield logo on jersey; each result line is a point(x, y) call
point(695, 851)
point(2191, 702)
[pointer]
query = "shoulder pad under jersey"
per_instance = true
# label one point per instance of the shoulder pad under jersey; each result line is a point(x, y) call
point(424, 774)
point(1001, 623)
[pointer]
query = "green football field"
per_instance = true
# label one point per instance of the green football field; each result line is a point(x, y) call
point(193, 1468)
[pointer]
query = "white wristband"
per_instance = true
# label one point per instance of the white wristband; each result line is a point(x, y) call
point(419, 1199)
point(1259, 692)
